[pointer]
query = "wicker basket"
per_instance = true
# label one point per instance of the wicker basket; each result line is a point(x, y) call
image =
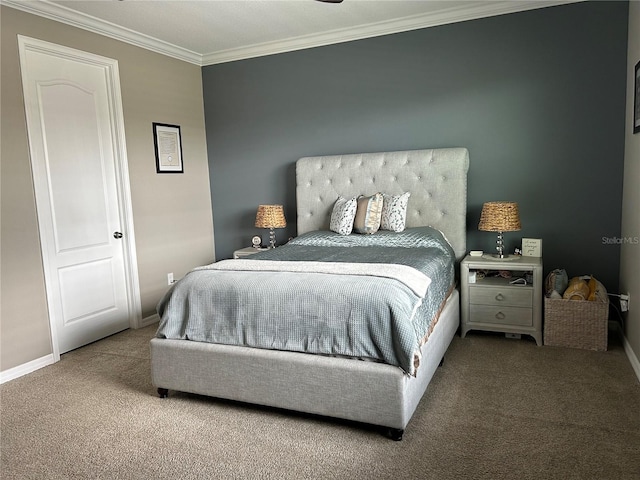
point(576, 324)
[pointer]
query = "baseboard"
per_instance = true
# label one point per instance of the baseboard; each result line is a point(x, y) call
point(150, 320)
point(25, 368)
point(633, 359)
point(631, 355)
point(38, 363)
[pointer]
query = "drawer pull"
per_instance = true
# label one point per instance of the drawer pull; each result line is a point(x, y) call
point(500, 316)
point(499, 297)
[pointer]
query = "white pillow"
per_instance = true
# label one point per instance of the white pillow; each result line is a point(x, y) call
point(342, 216)
point(394, 212)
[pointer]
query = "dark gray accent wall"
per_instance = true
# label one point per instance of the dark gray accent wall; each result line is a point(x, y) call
point(537, 97)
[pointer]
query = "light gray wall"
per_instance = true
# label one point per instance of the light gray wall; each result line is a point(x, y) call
point(630, 253)
point(171, 213)
point(537, 97)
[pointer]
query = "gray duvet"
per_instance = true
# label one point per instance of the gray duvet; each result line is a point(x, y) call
point(355, 306)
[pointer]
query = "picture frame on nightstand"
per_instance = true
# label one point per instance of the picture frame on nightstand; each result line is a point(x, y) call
point(532, 247)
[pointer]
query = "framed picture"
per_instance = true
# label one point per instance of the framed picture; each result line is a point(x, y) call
point(532, 247)
point(168, 147)
point(636, 100)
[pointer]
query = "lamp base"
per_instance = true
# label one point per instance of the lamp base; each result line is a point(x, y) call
point(272, 238)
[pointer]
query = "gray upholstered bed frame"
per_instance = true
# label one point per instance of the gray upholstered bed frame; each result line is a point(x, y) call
point(367, 392)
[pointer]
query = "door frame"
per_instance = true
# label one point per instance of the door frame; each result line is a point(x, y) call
point(110, 66)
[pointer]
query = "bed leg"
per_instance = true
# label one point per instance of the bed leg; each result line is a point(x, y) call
point(441, 361)
point(395, 434)
point(163, 392)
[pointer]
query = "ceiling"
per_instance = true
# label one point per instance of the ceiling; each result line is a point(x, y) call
point(206, 32)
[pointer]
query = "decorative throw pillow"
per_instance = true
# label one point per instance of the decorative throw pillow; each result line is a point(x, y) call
point(597, 292)
point(556, 283)
point(368, 214)
point(593, 285)
point(578, 289)
point(342, 216)
point(601, 294)
point(394, 212)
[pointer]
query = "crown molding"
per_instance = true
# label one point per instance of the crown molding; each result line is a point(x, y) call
point(405, 24)
point(65, 15)
point(453, 14)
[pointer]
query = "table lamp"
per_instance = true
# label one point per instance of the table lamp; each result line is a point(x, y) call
point(271, 216)
point(500, 217)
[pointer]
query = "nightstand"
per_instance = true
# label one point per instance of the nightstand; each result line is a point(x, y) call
point(491, 302)
point(245, 252)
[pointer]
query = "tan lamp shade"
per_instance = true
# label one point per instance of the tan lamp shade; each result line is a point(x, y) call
point(499, 217)
point(270, 216)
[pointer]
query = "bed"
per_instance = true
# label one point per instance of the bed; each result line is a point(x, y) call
point(367, 390)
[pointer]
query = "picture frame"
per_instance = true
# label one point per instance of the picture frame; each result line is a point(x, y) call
point(636, 99)
point(532, 247)
point(167, 142)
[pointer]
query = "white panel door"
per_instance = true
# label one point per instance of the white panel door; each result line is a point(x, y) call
point(74, 153)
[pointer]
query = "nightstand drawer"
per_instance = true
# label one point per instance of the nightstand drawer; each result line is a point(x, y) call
point(500, 315)
point(511, 296)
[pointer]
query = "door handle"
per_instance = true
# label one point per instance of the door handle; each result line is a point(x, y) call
point(117, 234)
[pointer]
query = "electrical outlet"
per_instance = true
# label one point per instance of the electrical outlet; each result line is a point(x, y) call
point(624, 302)
point(170, 280)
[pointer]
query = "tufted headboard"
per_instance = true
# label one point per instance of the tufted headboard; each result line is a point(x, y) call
point(436, 178)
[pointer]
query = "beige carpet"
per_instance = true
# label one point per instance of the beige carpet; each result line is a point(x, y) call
point(497, 409)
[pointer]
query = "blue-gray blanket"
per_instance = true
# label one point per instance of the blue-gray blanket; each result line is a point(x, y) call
point(371, 317)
